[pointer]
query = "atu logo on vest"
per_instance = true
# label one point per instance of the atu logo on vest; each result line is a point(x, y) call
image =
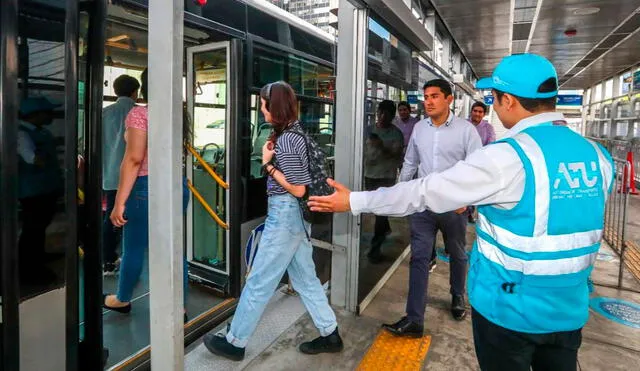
point(582, 180)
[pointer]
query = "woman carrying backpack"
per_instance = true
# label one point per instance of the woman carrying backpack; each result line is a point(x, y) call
point(284, 245)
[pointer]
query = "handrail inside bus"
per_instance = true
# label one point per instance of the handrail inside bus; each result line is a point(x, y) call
point(208, 168)
point(206, 206)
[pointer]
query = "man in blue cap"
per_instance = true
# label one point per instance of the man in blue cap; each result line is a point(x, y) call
point(541, 193)
point(40, 184)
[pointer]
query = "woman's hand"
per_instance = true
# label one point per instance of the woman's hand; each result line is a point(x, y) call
point(268, 150)
point(117, 216)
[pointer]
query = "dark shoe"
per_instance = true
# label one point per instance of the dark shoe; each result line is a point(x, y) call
point(186, 318)
point(323, 344)
point(111, 269)
point(218, 344)
point(126, 309)
point(472, 219)
point(458, 309)
point(405, 328)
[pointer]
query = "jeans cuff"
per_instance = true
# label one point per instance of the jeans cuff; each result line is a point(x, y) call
point(235, 341)
point(326, 331)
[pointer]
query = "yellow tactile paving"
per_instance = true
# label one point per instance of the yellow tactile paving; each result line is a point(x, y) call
point(389, 352)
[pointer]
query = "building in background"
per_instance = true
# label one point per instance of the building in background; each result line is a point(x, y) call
point(316, 12)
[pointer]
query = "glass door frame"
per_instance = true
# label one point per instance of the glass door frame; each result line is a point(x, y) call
point(9, 289)
point(10, 296)
point(229, 126)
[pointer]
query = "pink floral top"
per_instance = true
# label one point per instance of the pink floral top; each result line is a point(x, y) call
point(138, 119)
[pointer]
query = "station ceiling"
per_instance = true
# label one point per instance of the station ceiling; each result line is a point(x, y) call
point(587, 40)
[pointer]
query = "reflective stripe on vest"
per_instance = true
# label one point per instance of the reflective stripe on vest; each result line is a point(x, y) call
point(542, 253)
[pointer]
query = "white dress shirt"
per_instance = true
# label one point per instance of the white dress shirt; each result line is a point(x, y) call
point(433, 149)
point(491, 175)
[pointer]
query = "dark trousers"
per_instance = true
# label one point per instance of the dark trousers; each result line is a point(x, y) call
point(382, 226)
point(111, 235)
point(499, 349)
point(424, 227)
point(37, 214)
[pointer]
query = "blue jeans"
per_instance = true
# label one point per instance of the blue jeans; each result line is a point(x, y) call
point(283, 246)
point(110, 234)
point(135, 238)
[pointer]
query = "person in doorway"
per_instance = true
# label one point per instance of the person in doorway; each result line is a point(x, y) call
point(535, 245)
point(487, 135)
point(40, 185)
point(113, 145)
point(382, 158)
point(404, 121)
point(284, 245)
point(131, 206)
point(437, 143)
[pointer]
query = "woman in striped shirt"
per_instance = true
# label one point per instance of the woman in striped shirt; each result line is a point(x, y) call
point(284, 245)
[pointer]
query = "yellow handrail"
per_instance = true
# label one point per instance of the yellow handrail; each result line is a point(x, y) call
point(206, 206)
point(208, 168)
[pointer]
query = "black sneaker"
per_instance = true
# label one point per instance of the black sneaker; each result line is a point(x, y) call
point(323, 344)
point(218, 344)
point(458, 310)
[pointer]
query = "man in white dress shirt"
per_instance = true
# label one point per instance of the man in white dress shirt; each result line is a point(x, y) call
point(436, 144)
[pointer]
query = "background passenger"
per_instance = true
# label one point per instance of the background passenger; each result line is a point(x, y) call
point(131, 208)
point(382, 158)
point(113, 145)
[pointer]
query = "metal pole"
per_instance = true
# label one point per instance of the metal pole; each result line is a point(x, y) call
point(614, 209)
point(350, 104)
point(623, 247)
point(165, 184)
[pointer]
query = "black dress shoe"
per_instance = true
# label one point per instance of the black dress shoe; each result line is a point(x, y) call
point(458, 309)
point(126, 309)
point(405, 328)
point(218, 344)
point(323, 344)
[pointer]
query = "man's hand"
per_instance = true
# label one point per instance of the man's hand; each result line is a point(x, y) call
point(338, 202)
point(461, 210)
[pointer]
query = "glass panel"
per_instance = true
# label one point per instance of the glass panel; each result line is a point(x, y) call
point(209, 140)
point(382, 239)
point(267, 67)
point(43, 144)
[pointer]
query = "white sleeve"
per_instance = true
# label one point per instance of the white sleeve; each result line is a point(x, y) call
point(491, 175)
point(26, 149)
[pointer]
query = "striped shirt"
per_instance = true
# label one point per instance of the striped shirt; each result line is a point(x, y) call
point(292, 160)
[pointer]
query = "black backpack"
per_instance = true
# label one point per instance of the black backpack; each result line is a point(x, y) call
point(319, 171)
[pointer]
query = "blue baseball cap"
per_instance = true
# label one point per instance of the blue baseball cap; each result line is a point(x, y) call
point(37, 104)
point(521, 75)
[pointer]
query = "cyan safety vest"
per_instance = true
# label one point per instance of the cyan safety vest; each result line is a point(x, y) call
point(530, 264)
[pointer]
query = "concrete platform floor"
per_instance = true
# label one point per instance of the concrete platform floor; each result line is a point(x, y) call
point(606, 344)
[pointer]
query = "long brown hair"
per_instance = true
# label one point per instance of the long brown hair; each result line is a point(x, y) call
point(282, 104)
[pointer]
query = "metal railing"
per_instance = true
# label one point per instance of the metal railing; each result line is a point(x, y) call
point(199, 196)
point(619, 148)
point(615, 219)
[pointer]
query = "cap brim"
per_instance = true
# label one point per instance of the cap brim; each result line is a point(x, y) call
point(485, 83)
